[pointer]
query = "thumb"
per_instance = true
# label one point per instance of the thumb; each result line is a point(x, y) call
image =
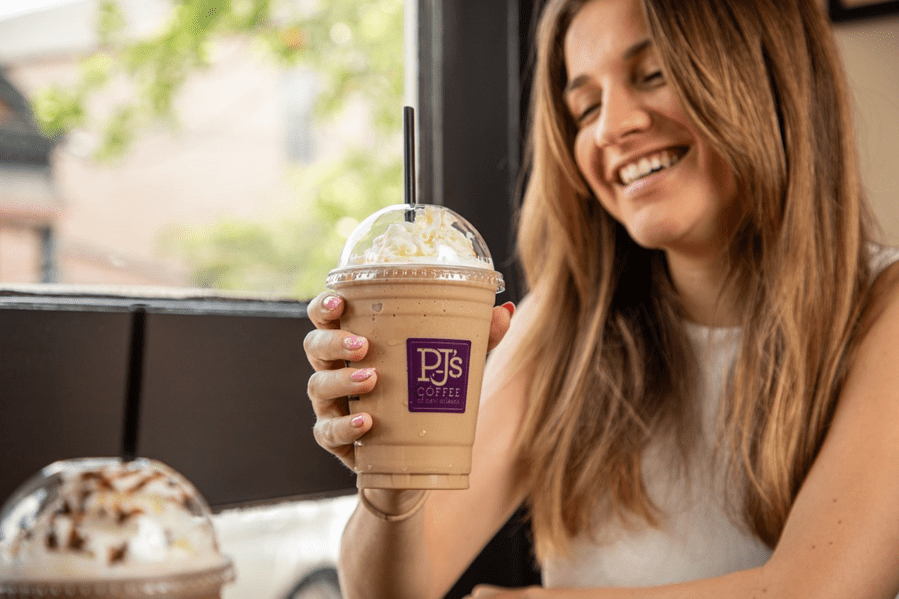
point(502, 318)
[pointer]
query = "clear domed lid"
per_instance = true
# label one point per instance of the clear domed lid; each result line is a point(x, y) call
point(102, 521)
point(423, 234)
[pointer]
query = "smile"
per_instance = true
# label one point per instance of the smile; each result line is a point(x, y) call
point(648, 165)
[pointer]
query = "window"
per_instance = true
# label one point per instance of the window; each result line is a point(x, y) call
point(275, 134)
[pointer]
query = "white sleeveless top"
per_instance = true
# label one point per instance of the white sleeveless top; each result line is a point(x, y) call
point(697, 538)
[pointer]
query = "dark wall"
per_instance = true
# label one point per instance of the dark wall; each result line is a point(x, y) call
point(222, 396)
point(62, 383)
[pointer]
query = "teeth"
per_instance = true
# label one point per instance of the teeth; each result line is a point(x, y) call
point(650, 164)
point(628, 173)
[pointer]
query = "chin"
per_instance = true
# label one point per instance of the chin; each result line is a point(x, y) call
point(657, 237)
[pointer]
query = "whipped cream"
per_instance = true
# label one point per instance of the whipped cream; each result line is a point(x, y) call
point(120, 519)
point(432, 237)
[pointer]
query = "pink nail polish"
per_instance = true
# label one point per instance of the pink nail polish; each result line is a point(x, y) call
point(362, 375)
point(354, 343)
point(331, 302)
point(358, 421)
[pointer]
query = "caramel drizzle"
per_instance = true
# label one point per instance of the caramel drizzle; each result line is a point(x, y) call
point(117, 554)
point(100, 481)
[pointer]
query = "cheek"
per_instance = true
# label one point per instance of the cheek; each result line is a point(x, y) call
point(726, 180)
point(590, 166)
point(722, 180)
point(582, 155)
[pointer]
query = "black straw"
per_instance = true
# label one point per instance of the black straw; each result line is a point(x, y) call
point(409, 160)
point(135, 380)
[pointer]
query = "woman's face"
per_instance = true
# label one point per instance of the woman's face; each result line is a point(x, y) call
point(635, 146)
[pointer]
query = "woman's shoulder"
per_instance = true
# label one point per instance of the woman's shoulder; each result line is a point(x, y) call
point(883, 303)
point(884, 265)
point(883, 262)
point(879, 325)
point(855, 477)
point(881, 257)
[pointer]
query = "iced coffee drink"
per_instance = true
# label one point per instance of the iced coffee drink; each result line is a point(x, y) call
point(105, 527)
point(419, 284)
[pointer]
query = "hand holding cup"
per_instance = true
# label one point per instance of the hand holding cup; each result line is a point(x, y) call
point(414, 293)
point(332, 353)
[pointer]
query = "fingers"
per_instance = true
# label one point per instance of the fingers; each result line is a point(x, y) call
point(327, 347)
point(325, 310)
point(330, 349)
point(328, 389)
point(487, 591)
point(502, 319)
point(484, 591)
point(338, 435)
point(335, 429)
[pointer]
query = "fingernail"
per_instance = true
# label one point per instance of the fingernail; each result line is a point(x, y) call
point(510, 307)
point(358, 421)
point(362, 375)
point(354, 343)
point(331, 302)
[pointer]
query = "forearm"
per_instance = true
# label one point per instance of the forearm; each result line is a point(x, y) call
point(384, 559)
point(748, 584)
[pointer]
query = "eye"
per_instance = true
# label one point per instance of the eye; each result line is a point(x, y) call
point(584, 113)
point(654, 77)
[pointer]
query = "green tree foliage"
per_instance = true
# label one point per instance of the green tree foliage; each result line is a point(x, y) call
point(294, 255)
point(356, 49)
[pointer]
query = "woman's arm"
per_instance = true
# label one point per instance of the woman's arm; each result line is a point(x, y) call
point(423, 556)
point(841, 539)
point(738, 585)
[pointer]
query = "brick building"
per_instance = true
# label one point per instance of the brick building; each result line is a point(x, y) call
point(30, 204)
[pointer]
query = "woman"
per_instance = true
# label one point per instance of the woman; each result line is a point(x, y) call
point(713, 413)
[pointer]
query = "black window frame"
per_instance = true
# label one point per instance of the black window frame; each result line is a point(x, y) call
point(473, 90)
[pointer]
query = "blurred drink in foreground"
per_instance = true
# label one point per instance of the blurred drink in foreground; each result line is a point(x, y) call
point(105, 527)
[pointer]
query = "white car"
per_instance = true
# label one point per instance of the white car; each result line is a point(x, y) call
point(286, 550)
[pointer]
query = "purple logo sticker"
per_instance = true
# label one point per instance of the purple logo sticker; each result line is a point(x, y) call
point(438, 374)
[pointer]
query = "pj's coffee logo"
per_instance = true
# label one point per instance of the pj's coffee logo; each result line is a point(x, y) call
point(438, 374)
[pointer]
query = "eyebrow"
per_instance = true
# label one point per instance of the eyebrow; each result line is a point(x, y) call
point(630, 53)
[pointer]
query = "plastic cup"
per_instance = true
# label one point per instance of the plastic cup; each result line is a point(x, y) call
point(103, 527)
point(419, 284)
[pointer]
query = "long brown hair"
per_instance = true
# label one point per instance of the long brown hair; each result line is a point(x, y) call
point(767, 92)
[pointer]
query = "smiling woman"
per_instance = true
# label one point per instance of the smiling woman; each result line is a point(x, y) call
point(611, 414)
point(705, 337)
point(635, 144)
point(691, 228)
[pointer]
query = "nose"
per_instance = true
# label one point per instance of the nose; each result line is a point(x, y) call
point(622, 115)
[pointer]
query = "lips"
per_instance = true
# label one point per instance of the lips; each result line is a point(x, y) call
point(650, 163)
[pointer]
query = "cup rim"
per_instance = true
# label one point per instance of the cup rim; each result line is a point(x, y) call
point(414, 270)
point(157, 585)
